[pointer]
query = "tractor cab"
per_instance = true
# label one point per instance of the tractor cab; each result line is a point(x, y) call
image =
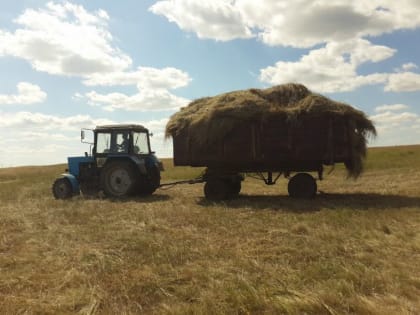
point(121, 163)
point(123, 139)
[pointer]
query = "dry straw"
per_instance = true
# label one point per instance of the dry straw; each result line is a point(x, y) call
point(210, 119)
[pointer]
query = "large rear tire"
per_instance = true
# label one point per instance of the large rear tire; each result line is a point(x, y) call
point(149, 183)
point(302, 185)
point(119, 179)
point(62, 188)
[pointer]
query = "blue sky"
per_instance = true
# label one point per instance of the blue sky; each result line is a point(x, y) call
point(72, 64)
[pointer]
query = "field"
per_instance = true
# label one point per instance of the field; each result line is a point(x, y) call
point(355, 249)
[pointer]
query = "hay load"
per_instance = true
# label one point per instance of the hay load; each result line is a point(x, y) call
point(209, 120)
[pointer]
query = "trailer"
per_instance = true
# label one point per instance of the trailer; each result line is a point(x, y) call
point(281, 131)
point(268, 150)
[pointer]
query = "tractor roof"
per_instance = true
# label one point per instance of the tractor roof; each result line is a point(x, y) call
point(121, 127)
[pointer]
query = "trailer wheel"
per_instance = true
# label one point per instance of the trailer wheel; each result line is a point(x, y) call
point(217, 189)
point(302, 185)
point(62, 189)
point(235, 188)
point(118, 179)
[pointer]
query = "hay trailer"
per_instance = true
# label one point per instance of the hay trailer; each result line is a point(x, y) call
point(283, 130)
point(121, 163)
point(267, 151)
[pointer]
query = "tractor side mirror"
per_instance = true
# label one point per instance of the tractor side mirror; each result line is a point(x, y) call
point(86, 138)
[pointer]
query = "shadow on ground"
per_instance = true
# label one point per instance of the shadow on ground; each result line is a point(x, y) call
point(140, 199)
point(357, 201)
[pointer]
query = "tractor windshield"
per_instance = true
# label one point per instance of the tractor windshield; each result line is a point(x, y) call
point(113, 142)
point(122, 141)
point(140, 143)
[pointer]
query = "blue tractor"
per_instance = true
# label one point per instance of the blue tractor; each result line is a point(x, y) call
point(121, 164)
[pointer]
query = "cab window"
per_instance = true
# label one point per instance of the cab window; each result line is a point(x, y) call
point(103, 143)
point(140, 143)
point(122, 140)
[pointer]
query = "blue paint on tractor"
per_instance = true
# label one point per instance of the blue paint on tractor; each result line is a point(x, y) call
point(74, 170)
point(73, 181)
point(74, 163)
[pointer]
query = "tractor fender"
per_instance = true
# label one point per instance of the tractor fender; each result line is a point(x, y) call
point(141, 164)
point(153, 162)
point(73, 181)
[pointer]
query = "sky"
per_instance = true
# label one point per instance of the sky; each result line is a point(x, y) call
point(67, 65)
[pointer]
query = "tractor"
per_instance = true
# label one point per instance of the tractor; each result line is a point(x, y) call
point(120, 164)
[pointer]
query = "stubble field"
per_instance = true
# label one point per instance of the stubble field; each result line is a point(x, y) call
point(354, 249)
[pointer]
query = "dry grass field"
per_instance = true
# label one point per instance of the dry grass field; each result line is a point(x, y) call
point(355, 249)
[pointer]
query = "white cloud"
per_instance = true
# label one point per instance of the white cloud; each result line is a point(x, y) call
point(153, 90)
point(301, 23)
point(64, 39)
point(216, 19)
point(395, 127)
point(331, 68)
point(337, 24)
point(392, 108)
point(39, 139)
point(32, 121)
point(144, 100)
point(37, 147)
point(392, 118)
point(406, 67)
point(37, 135)
point(334, 68)
point(27, 94)
point(144, 77)
point(403, 82)
point(162, 146)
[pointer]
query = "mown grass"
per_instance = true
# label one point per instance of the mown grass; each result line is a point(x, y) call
point(355, 249)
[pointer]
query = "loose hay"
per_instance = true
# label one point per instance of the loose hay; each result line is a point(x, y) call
point(210, 119)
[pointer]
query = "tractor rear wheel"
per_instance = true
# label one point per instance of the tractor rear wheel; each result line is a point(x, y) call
point(149, 183)
point(62, 188)
point(119, 179)
point(302, 185)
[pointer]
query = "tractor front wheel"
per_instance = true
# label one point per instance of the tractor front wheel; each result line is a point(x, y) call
point(62, 188)
point(119, 179)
